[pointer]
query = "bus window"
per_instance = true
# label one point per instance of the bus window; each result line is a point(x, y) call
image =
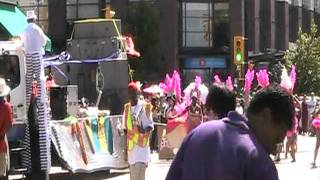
point(10, 70)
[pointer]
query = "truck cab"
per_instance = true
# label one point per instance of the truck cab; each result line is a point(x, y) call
point(12, 69)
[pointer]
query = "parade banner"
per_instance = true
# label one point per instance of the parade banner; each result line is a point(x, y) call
point(90, 144)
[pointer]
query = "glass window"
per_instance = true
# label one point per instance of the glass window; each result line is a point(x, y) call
point(71, 12)
point(10, 70)
point(196, 24)
point(195, 40)
point(88, 11)
point(198, 9)
point(43, 13)
point(88, 1)
point(27, 3)
point(221, 32)
point(71, 2)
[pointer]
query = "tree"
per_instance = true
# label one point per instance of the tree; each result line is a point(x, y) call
point(305, 54)
point(142, 23)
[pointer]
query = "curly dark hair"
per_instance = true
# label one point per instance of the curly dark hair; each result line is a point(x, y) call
point(220, 100)
point(279, 101)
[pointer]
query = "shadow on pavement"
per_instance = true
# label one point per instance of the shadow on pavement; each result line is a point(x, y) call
point(84, 176)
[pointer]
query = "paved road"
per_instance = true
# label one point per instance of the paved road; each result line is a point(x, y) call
point(157, 170)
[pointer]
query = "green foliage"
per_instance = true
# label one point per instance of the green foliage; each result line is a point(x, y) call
point(305, 54)
point(142, 23)
point(275, 72)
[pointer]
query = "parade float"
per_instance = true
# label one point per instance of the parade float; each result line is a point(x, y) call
point(94, 65)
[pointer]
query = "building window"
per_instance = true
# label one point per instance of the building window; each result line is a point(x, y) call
point(196, 24)
point(221, 30)
point(83, 9)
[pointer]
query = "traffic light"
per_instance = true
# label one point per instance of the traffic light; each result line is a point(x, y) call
point(238, 50)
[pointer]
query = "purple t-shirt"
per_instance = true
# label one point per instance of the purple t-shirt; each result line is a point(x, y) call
point(225, 149)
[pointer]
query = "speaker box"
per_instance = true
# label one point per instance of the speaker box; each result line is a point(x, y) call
point(64, 101)
point(57, 22)
point(58, 103)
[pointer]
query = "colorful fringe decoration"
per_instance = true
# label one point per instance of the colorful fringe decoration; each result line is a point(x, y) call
point(88, 130)
point(95, 134)
point(76, 129)
point(108, 131)
point(102, 135)
point(263, 78)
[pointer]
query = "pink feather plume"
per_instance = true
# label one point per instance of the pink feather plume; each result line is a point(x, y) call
point(217, 79)
point(197, 81)
point(286, 82)
point(229, 83)
point(293, 75)
point(177, 85)
point(263, 78)
point(248, 80)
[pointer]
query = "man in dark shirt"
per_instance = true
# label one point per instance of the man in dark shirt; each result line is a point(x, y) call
point(235, 148)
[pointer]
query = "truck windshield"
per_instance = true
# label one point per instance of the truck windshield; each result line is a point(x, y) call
point(10, 70)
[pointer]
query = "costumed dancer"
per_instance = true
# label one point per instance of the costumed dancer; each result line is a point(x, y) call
point(287, 83)
point(138, 124)
point(176, 116)
point(316, 125)
point(195, 94)
point(6, 120)
point(195, 117)
point(292, 135)
point(34, 40)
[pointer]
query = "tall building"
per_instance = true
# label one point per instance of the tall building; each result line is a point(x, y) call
point(196, 36)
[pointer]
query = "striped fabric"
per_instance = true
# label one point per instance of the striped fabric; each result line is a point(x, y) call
point(35, 72)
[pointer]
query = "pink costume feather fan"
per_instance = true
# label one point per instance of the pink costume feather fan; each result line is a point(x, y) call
point(177, 85)
point(248, 80)
point(263, 78)
point(316, 122)
point(197, 81)
point(286, 82)
point(166, 85)
point(293, 76)
point(216, 79)
point(229, 83)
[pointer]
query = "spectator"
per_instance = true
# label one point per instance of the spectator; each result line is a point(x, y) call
point(138, 124)
point(219, 102)
point(5, 122)
point(234, 148)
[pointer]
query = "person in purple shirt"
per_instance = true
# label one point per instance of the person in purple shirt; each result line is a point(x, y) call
point(219, 102)
point(236, 148)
